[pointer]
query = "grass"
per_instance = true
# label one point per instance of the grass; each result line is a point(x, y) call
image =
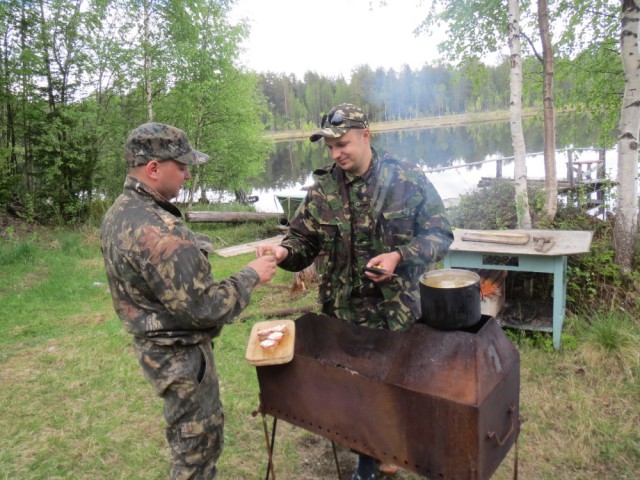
point(74, 405)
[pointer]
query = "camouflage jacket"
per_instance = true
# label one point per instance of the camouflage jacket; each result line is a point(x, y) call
point(159, 274)
point(406, 214)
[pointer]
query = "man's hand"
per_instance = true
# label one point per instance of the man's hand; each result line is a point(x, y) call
point(280, 253)
point(265, 267)
point(385, 261)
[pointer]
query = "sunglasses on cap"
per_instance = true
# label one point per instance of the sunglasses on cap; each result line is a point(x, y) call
point(337, 119)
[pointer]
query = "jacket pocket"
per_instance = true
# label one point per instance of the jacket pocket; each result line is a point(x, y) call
point(399, 225)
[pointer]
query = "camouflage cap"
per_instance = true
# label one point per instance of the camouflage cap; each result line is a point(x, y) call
point(339, 120)
point(156, 141)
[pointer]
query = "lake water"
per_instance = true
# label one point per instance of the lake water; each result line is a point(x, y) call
point(454, 159)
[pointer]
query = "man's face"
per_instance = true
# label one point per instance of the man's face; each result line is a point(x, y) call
point(351, 151)
point(171, 176)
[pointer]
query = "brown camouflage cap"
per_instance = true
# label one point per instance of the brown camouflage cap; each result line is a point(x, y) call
point(156, 141)
point(339, 120)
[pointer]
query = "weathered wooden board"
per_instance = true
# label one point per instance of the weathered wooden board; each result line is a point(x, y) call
point(563, 242)
point(497, 237)
point(248, 247)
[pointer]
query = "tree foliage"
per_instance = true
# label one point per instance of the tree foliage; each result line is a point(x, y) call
point(388, 95)
point(72, 86)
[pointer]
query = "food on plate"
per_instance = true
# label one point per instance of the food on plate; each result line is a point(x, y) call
point(268, 343)
point(275, 336)
point(265, 332)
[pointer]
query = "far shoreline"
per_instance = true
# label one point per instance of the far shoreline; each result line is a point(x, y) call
point(416, 123)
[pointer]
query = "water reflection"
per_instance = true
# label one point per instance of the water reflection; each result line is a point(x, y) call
point(290, 165)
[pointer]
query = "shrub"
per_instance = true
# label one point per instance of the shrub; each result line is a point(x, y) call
point(493, 207)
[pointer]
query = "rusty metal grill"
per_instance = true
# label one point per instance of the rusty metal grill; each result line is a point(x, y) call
point(443, 404)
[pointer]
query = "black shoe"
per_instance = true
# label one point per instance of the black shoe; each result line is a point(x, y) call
point(366, 468)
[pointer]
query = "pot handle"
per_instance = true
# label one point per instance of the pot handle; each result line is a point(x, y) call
point(502, 441)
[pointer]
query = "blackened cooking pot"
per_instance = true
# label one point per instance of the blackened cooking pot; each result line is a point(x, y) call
point(450, 299)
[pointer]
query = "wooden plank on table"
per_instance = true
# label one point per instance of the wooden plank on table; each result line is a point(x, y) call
point(565, 242)
point(497, 237)
point(248, 247)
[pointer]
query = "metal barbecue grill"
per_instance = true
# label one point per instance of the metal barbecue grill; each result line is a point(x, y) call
point(443, 404)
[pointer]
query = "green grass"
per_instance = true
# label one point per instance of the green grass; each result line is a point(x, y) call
point(74, 404)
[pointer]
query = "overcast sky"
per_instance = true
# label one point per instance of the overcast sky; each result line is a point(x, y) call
point(332, 37)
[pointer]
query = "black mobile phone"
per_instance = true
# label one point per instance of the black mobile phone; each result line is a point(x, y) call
point(377, 271)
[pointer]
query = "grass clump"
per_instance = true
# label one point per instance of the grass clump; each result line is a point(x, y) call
point(12, 253)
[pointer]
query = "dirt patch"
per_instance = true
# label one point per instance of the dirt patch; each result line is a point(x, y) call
point(320, 460)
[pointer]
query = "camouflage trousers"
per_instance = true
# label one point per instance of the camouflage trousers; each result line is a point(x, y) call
point(185, 378)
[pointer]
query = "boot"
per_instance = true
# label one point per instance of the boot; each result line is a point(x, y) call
point(366, 468)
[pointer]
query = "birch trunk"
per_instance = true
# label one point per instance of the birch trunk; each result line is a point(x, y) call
point(515, 117)
point(625, 229)
point(550, 175)
point(147, 60)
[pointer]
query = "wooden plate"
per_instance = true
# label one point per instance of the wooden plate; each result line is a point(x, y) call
point(280, 353)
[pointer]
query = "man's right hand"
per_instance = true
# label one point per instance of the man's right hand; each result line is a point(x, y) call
point(279, 252)
point(265, 267)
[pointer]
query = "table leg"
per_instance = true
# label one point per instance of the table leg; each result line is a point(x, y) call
point(559, 297)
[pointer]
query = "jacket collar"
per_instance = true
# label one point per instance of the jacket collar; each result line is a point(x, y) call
point(144, 191)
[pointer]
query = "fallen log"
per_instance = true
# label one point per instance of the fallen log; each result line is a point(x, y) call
point(284, 312)
point(234, 217)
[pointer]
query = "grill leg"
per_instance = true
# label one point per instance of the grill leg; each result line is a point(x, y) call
point(335, 457)
point(270, 469)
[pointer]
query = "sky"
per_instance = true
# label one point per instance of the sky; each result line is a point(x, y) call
point(333, 37)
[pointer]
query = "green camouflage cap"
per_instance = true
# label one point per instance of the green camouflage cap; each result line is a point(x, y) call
point(339, 120)
point(156, 141)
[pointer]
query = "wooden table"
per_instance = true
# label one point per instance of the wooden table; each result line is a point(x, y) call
point(524, 258)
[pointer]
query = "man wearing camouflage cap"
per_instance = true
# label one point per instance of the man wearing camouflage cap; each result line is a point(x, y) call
point(366, 210)
point(165, 294)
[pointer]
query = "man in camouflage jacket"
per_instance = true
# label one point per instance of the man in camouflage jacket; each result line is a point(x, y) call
point(366, 210)
point(164, 293)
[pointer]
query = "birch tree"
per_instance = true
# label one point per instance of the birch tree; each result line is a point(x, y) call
point(480, 27)
point(146, 52)
point(515, 117)
point(626, 222)
point(548, 102)
point(583, 31)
